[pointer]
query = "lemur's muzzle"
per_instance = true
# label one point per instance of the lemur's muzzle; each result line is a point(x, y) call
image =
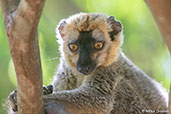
point(85, 64)
point(85, 69)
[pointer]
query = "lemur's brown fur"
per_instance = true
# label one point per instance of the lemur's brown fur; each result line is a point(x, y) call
point(114, 86)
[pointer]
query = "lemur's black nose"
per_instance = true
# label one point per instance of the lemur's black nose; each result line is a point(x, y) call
point(85, 70)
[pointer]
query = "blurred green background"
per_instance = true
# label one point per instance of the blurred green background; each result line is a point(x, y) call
point(143, 42)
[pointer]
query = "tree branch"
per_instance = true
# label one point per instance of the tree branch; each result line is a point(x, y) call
point(21, 20)
point(161, 12)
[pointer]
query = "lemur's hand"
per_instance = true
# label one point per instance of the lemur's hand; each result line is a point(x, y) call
point(47, 90)
point(12, 98)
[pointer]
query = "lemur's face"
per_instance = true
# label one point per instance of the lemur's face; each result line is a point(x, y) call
point(90, 41)
point(87, 49)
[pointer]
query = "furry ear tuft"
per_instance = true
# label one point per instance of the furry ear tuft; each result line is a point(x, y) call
point(61, 27)
point(115, 25)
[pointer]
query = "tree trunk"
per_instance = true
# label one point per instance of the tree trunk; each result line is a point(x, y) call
point(161, 10)
point(21, 19)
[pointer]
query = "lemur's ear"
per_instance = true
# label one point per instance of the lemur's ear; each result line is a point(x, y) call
point(61, 27)
point(115, 25)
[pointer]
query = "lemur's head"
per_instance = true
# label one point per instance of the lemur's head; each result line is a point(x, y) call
point(89, 41)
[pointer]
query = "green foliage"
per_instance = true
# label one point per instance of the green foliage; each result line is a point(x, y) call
point(143, 42)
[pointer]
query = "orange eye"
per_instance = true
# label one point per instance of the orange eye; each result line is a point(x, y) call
point(98, 45)
point(73, 47)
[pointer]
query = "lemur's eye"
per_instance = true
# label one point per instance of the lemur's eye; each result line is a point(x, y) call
point(98, 45)
point(73, 47)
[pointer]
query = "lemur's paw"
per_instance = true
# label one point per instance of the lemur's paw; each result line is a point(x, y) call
point(12, 100)
point(47, 90)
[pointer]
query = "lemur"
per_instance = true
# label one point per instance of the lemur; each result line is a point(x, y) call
point(94, 75)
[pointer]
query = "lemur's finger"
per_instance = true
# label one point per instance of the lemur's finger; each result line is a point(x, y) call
point(50, 88)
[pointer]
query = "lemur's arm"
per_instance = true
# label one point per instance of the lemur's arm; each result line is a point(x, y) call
point(78, 101)
point(84, 100)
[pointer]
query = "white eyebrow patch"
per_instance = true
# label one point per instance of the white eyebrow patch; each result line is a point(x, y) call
point(72, 35)
point(98, 34)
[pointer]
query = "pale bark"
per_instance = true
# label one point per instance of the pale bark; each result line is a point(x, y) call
point(21, 19)
point(161, 10)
